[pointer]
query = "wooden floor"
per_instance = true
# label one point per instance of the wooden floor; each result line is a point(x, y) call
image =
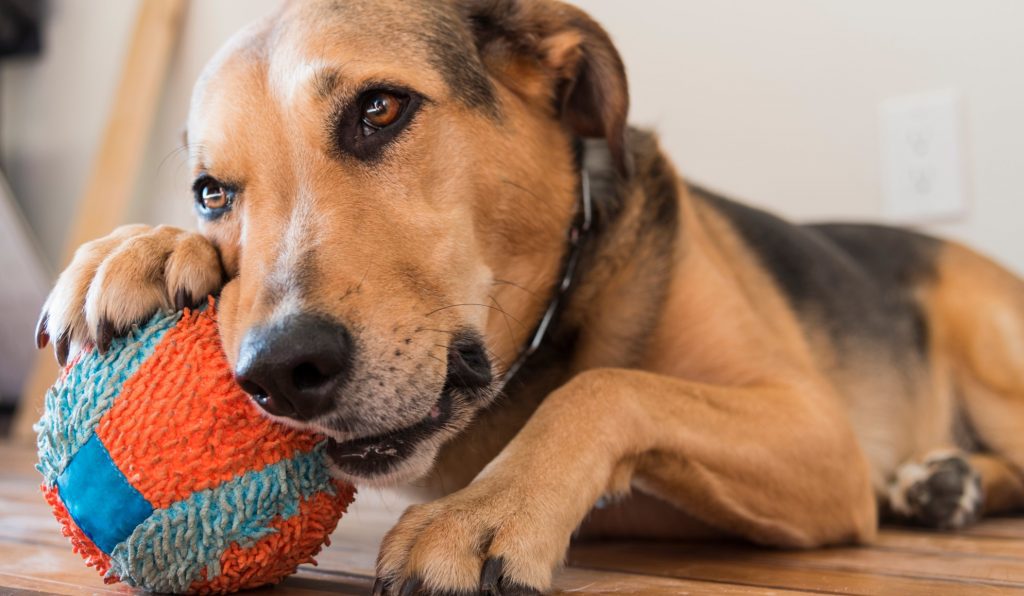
point(988, 559)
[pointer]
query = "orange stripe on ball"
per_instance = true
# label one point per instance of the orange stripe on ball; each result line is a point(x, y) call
point(80, 543)
point(181, 415)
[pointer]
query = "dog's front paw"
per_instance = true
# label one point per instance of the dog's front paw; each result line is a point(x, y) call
point(123, 279)
point(485, 539)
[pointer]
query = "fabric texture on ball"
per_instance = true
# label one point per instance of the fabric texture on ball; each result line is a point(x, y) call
point(164, 475)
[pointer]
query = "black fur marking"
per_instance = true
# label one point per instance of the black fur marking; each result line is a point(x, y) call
point(660, 184)
point(469, 368)
point(937, 500)
point(898, 260)
point(453, 53)
point(856, 281)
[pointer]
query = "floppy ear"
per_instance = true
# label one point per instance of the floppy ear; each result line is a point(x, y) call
point(552, 52)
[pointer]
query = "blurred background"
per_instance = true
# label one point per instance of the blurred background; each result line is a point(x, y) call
point(908, 112)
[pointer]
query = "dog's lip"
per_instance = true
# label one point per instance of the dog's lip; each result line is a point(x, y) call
point(369, 456)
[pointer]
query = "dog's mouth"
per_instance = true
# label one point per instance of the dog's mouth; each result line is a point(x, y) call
point(376, 455)
point(468, 381)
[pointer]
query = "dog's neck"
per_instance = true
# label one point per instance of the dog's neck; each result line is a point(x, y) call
point(605, 315)
point(577, 238)
point(625, 259)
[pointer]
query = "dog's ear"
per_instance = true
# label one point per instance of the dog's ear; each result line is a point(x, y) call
point(552, 52)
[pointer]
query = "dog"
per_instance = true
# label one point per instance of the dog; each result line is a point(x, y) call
point(436, 241)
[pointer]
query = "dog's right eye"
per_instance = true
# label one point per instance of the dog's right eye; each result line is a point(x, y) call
point(213, 198)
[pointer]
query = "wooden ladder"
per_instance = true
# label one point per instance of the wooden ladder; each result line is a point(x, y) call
point(107, 197)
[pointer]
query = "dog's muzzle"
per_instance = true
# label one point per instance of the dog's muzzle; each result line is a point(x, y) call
point(468, 378)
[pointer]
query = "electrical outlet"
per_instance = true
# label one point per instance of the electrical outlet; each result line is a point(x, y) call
point(923, 177)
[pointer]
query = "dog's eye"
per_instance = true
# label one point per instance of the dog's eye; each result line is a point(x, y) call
point(381, 109)
point(365, 127)
point(213, 198)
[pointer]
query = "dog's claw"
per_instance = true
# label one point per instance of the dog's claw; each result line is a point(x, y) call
point(492, 583)
point(62, 348)
point(490, 575)
point(42, 337)
point(411, 586)
point(183, 299)
point(104, 335)
point(378, 587)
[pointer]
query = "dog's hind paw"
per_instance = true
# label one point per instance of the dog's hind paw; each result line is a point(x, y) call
point(943, 491)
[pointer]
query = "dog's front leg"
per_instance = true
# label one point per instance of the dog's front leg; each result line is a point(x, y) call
point(778, 465)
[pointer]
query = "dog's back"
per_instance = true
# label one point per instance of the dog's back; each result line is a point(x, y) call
point(923, 339)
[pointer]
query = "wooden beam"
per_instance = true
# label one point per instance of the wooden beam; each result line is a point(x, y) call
point(107, 197)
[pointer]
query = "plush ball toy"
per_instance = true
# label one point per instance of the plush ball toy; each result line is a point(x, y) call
point(165, 476)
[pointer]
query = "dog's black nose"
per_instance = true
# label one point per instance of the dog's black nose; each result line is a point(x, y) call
point(295, 367)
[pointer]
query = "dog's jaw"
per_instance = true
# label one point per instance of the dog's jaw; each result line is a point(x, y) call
point(399, 457)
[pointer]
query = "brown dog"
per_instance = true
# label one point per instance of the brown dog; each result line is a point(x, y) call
point(385, 191)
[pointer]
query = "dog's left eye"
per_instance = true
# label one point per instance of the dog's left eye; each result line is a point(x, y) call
point(381, 109)
point(366, 126)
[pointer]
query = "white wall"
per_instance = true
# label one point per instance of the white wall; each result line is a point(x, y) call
point(53, 109)
point(166, 197)
point(774, 102)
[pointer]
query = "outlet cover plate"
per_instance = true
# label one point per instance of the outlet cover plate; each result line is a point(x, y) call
point(923, 172)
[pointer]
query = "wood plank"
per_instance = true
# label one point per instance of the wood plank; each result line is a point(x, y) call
point(30, 525)
point(840, 571)
point(358, 557)
point(108, 193)
point(35, 558)
point(1003, 528)
point(897, 541)
point(997, 571)
point(319, 580)
point(573, 580)
point(50, 569)
point(567, 581)
point(19, 460)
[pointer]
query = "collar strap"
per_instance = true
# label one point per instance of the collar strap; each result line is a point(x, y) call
point(575, 239)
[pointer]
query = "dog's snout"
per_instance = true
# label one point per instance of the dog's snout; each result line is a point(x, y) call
point(296, 367)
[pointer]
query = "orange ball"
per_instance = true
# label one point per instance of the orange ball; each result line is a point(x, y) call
point(166, 476)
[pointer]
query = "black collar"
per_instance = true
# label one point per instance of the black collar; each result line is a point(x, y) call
point(576, 239)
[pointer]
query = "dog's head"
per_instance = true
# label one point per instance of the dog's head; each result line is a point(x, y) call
point(389, 183)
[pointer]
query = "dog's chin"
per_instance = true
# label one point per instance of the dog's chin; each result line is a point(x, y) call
point(400, 455)
point(399, 472)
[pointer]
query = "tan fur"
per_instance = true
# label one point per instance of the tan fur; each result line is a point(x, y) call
point(693, 381)
point(1001, 483)
point(977, 307)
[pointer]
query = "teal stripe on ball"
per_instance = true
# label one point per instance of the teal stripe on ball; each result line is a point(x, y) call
point(75, 404)
point(168, 551)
